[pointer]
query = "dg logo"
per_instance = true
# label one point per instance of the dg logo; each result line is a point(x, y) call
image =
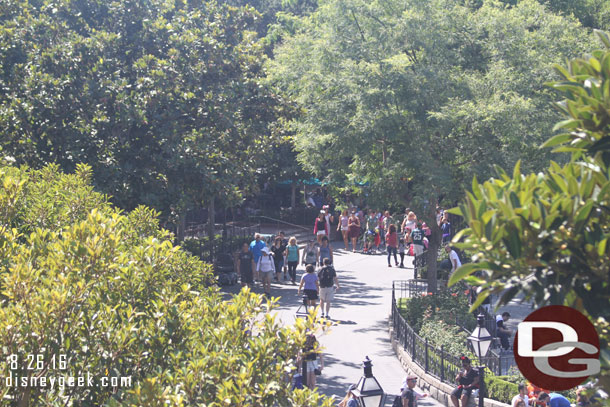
point(557, 348)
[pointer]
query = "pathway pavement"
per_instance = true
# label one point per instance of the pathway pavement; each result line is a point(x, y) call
point(360, 313)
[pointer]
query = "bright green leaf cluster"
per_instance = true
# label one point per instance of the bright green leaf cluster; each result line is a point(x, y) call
point(118, 299)
point(546, 235)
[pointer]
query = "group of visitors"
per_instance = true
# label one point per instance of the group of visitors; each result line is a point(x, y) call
point(257, 262)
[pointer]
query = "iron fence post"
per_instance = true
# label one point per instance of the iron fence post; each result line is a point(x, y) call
point(414, 339)
point(426, 362)
point(442, 363)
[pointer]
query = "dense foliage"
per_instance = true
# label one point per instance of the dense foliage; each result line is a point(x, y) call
point(446, 305)
point(415, 97)
point(546, 235)
point(111, 293)
point(161, 98)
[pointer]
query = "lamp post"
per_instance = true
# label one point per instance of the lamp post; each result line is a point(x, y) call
point(368, 391)
point(480, 339)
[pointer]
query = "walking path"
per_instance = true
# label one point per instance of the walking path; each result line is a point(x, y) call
point(360, 314)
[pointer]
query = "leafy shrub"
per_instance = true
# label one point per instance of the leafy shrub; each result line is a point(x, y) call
point(446, 305)
point(117, 298)
point(438, 333)
point(498, 388)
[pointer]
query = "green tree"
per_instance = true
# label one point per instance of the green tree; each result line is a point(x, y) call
point(415, 97)
point(107, 294)
point(546, 235)
point(161, 98)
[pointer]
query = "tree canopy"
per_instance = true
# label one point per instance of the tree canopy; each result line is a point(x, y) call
point(162, 98)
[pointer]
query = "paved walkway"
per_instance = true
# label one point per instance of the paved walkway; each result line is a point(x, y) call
point(360, 311)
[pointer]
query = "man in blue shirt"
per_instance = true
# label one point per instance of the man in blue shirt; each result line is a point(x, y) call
point(554, 400)
point(256, 247)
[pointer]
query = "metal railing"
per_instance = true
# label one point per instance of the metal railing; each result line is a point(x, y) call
point(226, 240)
point(435, 361)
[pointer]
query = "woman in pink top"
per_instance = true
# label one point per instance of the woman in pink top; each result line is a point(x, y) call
point(391, 240)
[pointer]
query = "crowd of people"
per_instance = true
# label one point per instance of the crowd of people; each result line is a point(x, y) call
point(374, 231)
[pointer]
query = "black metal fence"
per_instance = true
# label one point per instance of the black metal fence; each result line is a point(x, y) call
point(227, 240)
point(433, 360)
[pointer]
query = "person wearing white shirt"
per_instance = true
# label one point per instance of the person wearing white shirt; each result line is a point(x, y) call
point(454, 258)
point(521, 396)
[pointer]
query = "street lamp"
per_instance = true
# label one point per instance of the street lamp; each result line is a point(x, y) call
point(368, 391)
point(480, 339)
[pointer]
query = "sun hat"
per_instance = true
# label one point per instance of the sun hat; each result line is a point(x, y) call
point(265, 250)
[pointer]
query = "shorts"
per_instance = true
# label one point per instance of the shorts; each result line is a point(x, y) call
point(321, 232)
point(418, 249)
point(311, 294)
point(344, 228)
point(266, 275)
point(327, 293)
point(312, 365)
point(458, 392)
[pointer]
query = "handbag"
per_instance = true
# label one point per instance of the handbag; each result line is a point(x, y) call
point(317, 372)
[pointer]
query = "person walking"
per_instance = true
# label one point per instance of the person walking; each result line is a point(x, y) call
point(328, 286)
point(344, 227)
point(311, 285)
point(391, 239)
point(408, 393)
point(401, 252)
point(408, 223)
point(353, 230)
point(329, 218)
point(278, 251)
point(417, 239)
point(266, 268)
point(319, 227)
point(256, 247)
point(310, 254)
point(246, 265)
point(325, 251)
point(292, 258)
point(371, 225)
point(311, 353)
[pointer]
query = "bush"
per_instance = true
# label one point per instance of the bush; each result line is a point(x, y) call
point(438, 333)
point(498, 388)
point(446, 305)
point(117, 298)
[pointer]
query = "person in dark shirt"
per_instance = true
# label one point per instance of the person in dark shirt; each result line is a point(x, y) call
point(409, 397)
point(502, 331)
point(467, 380)
point(246, 265)
point(278, 250)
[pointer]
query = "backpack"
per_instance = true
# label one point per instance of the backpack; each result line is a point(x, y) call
point(397, 402)
point(326, 280)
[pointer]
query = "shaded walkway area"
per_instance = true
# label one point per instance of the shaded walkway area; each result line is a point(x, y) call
point(360, 314)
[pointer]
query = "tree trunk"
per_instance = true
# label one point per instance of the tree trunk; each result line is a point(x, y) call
point(434, 242)
point(293, 195)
